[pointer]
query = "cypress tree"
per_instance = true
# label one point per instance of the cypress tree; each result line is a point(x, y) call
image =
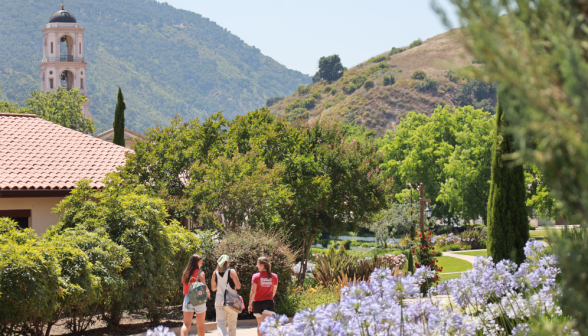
point(508, 225)
point(119, 120)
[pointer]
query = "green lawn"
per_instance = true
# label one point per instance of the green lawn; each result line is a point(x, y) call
point(450, 264)
point(474, 253)
point(538, 234)
point(444, 277)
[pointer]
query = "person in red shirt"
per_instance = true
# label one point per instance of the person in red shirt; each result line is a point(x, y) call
point(188, 277)
point(263, 288)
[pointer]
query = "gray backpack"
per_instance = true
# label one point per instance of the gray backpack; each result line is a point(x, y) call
point(197, 292)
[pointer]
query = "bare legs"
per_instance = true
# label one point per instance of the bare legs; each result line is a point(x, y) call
point(188, 322)
point(259, 320)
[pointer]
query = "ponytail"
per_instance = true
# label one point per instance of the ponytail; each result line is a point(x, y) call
point(267, 265)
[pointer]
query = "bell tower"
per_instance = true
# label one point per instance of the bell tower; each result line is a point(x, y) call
point(63, 55)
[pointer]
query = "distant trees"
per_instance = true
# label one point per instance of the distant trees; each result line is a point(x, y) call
point(62, 107)
point(419, 74)
point(119, 120)
point(389, 80)
point(450, 153)
point(330, 68)
point(416, 43)
point(272, 101)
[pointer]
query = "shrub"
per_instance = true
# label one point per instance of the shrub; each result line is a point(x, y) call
point(316, 95)
point(134, 219)
point(416, 43)
point(334, 91)
point(419, 74)
point(331, 250)
point(453, 76)
point(368, 84)
point(427, 84)
point(355, 243)
point(365, 245)
point(330, 269)
point(346, 244)
point(272, 101)
point(324, 243)
point(474, 237)
point(25, 263)
point(303, 89)
point(452, 247)
point(389, 80)
point(299, 298)
point(246, 245)
point(531, 227)
point(378, 59)
point(298, 114)
point(395, 51)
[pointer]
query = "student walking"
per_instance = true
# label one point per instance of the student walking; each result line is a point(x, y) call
point(195, 300)
point(263, 289)
point(225, 279)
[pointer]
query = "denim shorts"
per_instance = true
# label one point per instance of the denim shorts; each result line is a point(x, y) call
point(189, 308)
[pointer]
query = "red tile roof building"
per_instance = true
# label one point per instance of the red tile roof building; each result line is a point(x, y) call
point(41, 160)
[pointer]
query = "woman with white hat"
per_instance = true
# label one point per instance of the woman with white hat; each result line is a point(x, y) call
point(225, 279)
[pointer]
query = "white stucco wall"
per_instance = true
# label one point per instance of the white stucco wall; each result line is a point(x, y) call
point(42, 216)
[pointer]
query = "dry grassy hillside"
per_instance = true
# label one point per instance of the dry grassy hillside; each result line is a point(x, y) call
point(380, 107)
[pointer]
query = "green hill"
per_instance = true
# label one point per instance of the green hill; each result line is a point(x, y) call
point(354, 99)
point(165, 60)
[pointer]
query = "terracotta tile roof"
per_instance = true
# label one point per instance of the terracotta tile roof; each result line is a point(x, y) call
point(38, 154)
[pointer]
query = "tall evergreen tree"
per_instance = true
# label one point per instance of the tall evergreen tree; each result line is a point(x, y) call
point(119, 120)
point(508, 225)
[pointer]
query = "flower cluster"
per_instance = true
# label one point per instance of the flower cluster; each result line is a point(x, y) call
point(491, 299)
point(160, 331)
point(394, 260)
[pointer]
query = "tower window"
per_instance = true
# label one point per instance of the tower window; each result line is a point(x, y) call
point(81, 83)
point(52, 47)
point(80, 47)
point(51, 83)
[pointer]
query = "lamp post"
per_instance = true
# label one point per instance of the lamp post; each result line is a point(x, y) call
point(422, 201)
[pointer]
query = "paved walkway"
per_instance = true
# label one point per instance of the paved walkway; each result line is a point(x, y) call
point(468, 258)
point(241, 331)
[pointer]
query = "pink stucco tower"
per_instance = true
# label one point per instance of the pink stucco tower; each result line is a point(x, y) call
point(63, 55)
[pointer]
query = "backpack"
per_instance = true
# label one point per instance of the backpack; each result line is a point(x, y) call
point(197, 292)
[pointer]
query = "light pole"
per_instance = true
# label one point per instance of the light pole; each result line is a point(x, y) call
point(422, 201)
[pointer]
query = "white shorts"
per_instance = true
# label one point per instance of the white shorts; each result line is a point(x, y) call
point(189, 308)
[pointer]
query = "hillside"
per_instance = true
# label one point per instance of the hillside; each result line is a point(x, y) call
point(379, 107)
point(166, 61)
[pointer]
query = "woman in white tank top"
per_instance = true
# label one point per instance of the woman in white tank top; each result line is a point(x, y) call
point(223, 279)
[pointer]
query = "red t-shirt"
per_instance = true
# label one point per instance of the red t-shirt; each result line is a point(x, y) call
point(192, 280)
point(265, 286)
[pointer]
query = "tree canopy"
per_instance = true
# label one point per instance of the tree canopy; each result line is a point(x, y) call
point(61, 107)
point(449, 153)
point(330, 68)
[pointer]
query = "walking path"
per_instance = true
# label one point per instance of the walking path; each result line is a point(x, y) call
point(468, 258)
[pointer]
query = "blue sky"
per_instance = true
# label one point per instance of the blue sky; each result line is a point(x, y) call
point(298, 33)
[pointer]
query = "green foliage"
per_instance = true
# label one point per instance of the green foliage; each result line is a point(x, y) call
point(61, 107)
point(330, 68)
point(316, 95)
point(508, 225)
point(358, 81)
point(299, 298)
point(540, 201)
point(299, 114)
point(395, 51)
point(449, 153)
point(25, 263)
point(389, 80)
point(331, 269)
point(272, 101)
point(378, 59)
point(428, 84)
point(346, 244)
point(199, 67)
point(354, 132)
point(316, 78)
point(303, 89)
point(416, 43)
point(308, 103)
point(419, 74)
point(246, 245)
point(425, 256)
point(395, 219)
point(453, 76)
point(477, 93)
point(368, 84)
point(137, 221)
point(119, 120)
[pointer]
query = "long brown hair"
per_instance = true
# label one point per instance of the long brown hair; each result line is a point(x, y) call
point(190, 268)
point(267, 265)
